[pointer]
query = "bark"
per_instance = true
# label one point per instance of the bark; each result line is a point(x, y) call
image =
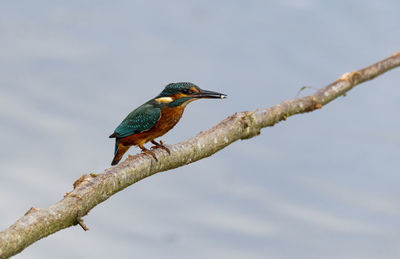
point(90, 190)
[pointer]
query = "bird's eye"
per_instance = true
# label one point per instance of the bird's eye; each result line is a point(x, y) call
point(187, 91)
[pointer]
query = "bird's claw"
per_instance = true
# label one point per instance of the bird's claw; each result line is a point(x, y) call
point(160, 145)
point(148, 152)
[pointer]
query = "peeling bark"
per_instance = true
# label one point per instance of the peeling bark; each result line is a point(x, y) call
point(90, 190)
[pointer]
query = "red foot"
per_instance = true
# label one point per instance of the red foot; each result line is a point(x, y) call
point(146, 151)
point(160, 145)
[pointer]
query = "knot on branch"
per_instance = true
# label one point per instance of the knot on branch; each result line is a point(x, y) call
point(249, 124)
point(313, 104)
point(33, 209)
point(352, 77)
point(83, 179)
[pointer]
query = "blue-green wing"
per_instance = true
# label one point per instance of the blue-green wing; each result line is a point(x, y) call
point(139, 120)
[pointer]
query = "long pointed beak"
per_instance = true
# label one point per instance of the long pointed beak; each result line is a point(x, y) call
point(209, 94)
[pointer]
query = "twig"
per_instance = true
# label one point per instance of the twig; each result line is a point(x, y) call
point(82, 224)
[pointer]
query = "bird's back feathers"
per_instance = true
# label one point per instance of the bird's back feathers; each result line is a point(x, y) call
point(139, 120)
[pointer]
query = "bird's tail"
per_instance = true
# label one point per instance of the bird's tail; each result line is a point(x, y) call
point(119, 152)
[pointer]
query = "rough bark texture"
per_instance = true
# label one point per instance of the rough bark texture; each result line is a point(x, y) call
point(90, 190)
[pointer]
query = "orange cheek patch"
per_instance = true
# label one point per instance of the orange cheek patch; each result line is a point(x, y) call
point(194, 90)
point(177, 96)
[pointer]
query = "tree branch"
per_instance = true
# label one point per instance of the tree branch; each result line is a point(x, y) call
point(90, 190)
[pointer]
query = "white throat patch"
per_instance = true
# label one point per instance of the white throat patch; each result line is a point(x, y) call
point(164, 99)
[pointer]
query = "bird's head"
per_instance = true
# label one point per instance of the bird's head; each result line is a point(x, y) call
point(182, 93)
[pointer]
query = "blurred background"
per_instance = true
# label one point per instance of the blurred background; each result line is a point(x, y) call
point(319, 185)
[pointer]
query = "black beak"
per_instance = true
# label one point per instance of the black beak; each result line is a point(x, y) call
point(209, 94)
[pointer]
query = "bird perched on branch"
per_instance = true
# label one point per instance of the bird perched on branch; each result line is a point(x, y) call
point(156, 117)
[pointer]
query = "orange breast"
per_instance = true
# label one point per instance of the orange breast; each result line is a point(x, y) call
point(169, 118)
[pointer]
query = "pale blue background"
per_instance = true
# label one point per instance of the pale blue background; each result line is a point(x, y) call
point(320, 185)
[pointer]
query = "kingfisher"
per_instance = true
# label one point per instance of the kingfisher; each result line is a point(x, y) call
point(156, 117)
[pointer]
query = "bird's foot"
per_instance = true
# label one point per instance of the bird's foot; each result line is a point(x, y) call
point(160, 145)
point(146, 151)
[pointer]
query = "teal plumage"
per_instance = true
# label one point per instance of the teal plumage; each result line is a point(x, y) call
point(146, 116)
point(141, 119)
point(156, 117)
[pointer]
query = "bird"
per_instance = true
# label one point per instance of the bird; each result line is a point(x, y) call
point(156, 117)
